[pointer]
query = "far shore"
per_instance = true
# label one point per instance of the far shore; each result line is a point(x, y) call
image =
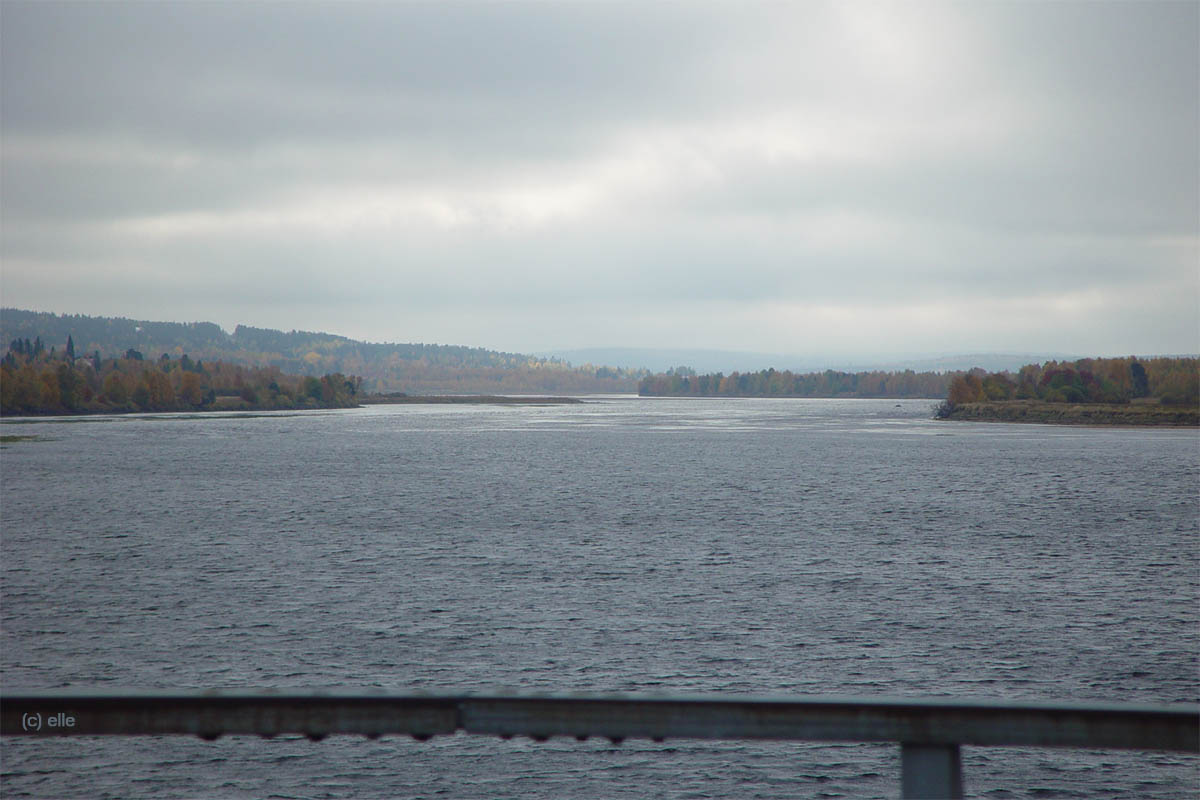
point(465, 399)
point(1139, 414)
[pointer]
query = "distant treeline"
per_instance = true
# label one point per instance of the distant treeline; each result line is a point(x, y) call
point(34, 380)
point(684, 382)
point(1169, 381)
point(411, 368)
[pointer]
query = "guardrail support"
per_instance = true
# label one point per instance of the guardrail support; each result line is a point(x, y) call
point(930, 771)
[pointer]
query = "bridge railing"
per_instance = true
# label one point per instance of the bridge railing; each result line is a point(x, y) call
point(930, 732)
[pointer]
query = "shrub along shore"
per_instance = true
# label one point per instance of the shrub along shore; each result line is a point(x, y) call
point(1074, 414)
point(1100, 391)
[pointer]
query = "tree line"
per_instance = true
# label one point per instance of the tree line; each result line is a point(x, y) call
point(684, 382)
point(1169, 381)
point(411, 368)
point(34, 380)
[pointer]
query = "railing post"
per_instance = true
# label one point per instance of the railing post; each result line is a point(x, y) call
point(930, 771)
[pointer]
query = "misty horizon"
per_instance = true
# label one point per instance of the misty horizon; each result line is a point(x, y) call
point(706, 360)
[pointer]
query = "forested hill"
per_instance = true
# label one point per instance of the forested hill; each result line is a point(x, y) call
point(411, 368)
point(303, 343)
point(111, 335)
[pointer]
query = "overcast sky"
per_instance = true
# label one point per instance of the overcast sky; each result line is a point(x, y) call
point(834, 180)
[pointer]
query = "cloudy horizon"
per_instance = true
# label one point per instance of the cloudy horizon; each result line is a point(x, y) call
point(852, 180)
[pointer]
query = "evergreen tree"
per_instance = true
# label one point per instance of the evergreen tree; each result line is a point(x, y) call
point(1141, 383)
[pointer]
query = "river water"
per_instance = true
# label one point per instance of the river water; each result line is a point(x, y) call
point(651, 545)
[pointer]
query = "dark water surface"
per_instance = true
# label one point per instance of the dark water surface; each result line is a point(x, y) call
point(765, 547)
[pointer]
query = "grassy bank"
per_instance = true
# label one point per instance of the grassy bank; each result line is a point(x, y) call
point(1073, 413)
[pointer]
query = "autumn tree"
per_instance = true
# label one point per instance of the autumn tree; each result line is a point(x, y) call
point(114, 389)
point(70, 385)
point(50, 395)
point(966, 388)
point(191, 391)
point(998, 386)
point(35, 382)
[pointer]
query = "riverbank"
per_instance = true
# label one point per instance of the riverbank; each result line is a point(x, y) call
point(228, 404)
point(221, 405)
point(466, 399)
point(1151, 414)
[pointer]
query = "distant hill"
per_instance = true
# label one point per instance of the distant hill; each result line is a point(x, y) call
point(411, 368)
point(784, 383)
point(992, 362)
point(727, 361)
point(663, 359)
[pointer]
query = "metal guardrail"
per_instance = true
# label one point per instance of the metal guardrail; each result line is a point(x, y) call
point(930, 731)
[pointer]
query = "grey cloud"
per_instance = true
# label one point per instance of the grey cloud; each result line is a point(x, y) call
point(514, 160)
point(248, 73)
